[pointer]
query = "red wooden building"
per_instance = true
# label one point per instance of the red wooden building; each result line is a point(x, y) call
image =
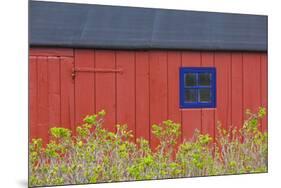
point(144, 66)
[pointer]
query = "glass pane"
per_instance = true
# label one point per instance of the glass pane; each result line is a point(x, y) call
point(190, 95)
point(204, 79)
point(205, 95)
point(190, 79)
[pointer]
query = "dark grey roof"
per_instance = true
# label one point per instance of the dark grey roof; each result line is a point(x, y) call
point(118, 27)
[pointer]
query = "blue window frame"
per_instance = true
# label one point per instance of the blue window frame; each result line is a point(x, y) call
point(198, 87)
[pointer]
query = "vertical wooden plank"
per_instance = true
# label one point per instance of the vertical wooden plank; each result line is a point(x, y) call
point(67, 93)
point(106, 87)
point(191, 118)
point(142, 95)
point(173, 65)
point(84, 85)
point(43, 99)
point(237, 89)
point(125, 60)
point(251, 82)
point(223, 68)
point(208, 115)
point(54, 91)
point(264, 89)
point(158, 90)
point(32, 82)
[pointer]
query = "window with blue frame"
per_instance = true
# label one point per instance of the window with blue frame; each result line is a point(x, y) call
point(198, 87)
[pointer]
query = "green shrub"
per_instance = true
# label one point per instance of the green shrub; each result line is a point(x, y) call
point(244, 150)
point(95, 154)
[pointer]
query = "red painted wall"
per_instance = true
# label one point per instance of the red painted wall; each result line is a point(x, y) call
point(146, 92)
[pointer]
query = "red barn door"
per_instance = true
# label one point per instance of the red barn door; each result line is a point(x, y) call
point(51, 91)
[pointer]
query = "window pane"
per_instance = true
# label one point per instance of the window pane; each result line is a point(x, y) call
point(190, 79)
point(204, 79)
point(205, 95)
point(190, 95)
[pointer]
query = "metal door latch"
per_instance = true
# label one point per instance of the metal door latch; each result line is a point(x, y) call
point(93, 70)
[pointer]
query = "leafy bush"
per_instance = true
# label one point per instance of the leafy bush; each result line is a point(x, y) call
point(95, 154)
